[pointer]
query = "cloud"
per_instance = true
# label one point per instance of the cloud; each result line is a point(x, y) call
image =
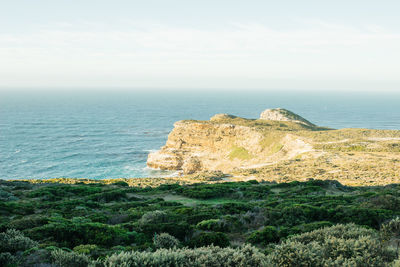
point(145, 54)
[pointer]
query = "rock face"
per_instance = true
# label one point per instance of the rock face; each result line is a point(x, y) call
point(222, 116)
point(227, 142)
point(280, 114)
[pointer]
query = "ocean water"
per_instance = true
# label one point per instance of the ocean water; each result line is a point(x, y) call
point(109, 135)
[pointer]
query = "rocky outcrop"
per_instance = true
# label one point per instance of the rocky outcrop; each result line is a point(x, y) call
point(227, 142)
point(222, 116)
point(279, 146)
point(280, 114)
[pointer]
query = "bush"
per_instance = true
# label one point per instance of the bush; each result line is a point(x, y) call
point(268, 234)
point(71, 233)
point(27, 222)
point(13, 241)
point(165, 240)
point(205, 256)
point(340, 245)
point(391, 229)
point(153, 217)
point(6, 259)
point(68, 259)
point(212, 225)
point(85, 249)
point(209, 238)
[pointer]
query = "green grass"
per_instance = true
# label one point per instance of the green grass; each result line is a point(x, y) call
point(239, 153)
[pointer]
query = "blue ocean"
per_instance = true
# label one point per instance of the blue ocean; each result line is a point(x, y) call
point(109, 135)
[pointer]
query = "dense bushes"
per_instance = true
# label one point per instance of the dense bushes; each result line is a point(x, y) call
point(205, 256)
point(216, 225)
point(70, 233)
point(268, 234)
point(67, 259)
point(12, 243)
point(340, 245)
point(165, 240)
point(100, 220)
point(209, 238)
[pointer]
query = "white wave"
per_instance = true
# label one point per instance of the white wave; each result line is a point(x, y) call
point(150, 150)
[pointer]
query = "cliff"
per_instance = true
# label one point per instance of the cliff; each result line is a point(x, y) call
point(279, 140)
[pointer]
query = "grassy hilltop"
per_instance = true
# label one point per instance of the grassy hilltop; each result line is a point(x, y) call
point(69, 222)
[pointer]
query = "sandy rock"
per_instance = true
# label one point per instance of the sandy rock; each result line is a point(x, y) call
point(226, 143)
point(222, 116)
point(280, 114)
point(166, 159)
point(191, 165)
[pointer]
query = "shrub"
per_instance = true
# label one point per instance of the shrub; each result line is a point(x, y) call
point(27, 222)
point(153, 217)
point(209, 238)
point(85, 249)
point(340, 245)
point(7, 196)
point(205, 256)
point(6, 259)
point(268, 234)
point(78, 231)
point(391, 229)
point(212, 225)
point(165, 240)
point(67, 259)
point(13, 241)
point(121, 183)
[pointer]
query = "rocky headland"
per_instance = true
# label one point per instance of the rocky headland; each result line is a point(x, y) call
point(280, 146)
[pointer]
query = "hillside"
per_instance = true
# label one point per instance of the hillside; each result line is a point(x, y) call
point(254, 224)
point(280, 146)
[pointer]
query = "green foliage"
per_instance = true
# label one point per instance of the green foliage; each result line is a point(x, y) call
point(100, 220)
point(216, 225)
point(239, 153)
point(67, 259)
point(165, 240)
point(27, 222)
point(7, 196)
point(340, 245)
point(207, 191)
point(209, 238)
point(76, 231)
point(121, 183)
point(204, 256)
point(391, 229)
point(13, 241)
point(153, 217)
point(268, 234)
point(57, 192)
point(7, 259)
point(85, 249)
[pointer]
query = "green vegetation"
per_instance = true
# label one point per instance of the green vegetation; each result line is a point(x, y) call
point(240, 153)
point(313, 223)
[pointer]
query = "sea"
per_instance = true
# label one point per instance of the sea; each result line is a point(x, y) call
point(107, 134)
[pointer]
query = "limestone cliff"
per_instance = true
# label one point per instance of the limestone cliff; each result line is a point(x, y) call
point(280, 146)
point(227, 142)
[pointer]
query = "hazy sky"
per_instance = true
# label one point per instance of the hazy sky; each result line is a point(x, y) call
point(344, 45)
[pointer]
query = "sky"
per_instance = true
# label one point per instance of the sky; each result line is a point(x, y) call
point(207, 44)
